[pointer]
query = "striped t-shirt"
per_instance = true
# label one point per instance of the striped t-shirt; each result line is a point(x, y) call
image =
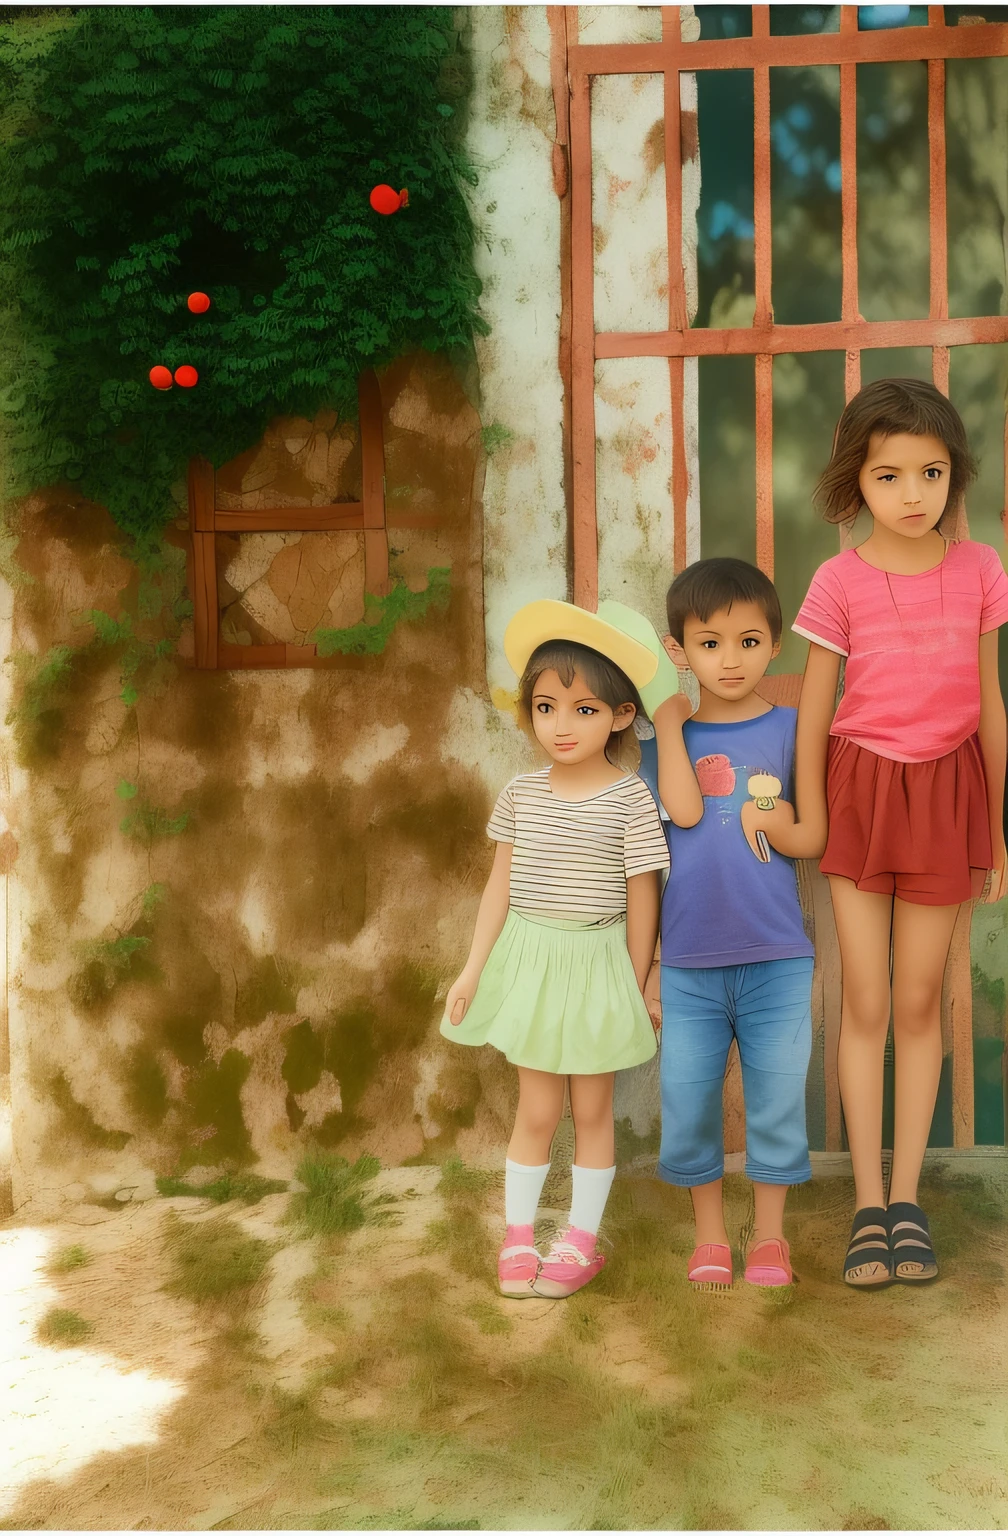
point(572, 858)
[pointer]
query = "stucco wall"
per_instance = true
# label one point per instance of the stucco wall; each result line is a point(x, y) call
point(269, 971)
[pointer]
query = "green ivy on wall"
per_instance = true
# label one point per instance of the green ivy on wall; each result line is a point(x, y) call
point(148, 152)
point(382, 614)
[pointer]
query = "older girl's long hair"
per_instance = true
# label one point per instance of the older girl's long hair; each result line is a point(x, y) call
point(889, 406)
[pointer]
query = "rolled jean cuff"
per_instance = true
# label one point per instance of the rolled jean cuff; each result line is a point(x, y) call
point(759, 1175)
point(689, 1180)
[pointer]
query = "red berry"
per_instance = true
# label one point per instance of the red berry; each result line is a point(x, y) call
point(160, 377)
point(199, 303)
point(185, 376)
point(386, 200)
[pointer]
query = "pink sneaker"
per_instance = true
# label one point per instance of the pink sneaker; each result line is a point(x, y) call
point(518, 1262)
point(710, 1267)
point(769, 1263)
point(572, 1261)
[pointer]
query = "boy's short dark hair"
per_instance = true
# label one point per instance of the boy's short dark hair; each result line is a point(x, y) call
point(707, 586)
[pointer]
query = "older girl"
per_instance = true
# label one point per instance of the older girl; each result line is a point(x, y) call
point(913, 765)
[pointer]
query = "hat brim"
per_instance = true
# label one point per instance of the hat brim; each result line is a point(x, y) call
point(549, 619)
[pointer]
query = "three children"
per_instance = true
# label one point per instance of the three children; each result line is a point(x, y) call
point(899, 789)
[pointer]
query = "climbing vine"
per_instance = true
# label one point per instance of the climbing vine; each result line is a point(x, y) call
point(382, 614)
point(148, 152)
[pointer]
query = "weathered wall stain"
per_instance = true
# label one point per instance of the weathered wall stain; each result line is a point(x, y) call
point(255, 961)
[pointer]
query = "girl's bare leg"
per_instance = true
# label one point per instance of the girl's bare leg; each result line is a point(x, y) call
point(864, 925)
point(921, 938)
point(540, 1105)
point(591, 1107)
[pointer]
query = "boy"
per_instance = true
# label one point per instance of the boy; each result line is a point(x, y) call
point(735, 958)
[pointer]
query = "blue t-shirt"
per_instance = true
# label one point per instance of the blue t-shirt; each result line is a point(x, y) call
point(723, 905)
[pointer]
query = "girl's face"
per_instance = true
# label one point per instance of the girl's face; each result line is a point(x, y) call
point(904, 481)
point(571, 723)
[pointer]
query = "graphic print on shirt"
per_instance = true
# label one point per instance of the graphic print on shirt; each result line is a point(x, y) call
point(723, 904)
point(765, 789)
point(718, 779)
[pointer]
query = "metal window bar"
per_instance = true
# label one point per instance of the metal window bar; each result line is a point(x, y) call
point(763, 340)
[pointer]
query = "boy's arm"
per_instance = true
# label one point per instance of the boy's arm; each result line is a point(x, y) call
point(677, 783)
point(493, 909)
point(992, 735)
point(642, 922)
point(805, 838)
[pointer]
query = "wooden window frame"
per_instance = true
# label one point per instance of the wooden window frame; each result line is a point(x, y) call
point(206, 520)
point(573, 65)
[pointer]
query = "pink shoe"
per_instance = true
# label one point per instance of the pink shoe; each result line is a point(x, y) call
point(768, 1263)
point(518, 1262)
point(711, 1266)
point(572, 1261)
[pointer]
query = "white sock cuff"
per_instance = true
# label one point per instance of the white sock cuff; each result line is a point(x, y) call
point(589, 1192)
point(523, 1184)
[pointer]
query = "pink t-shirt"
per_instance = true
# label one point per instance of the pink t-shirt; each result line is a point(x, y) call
point(912, 679)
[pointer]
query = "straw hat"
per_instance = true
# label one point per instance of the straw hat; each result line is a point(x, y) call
point(549, 619)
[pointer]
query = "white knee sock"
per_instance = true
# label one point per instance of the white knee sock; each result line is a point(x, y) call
point(589, 1194)
point(522, 1188)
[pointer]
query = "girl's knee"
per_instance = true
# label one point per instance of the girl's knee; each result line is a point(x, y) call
point(538, 1117)
point(589, 1118)
point(866, 1013)
point(917, 1008)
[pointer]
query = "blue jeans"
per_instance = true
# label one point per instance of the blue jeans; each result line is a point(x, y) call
point(767, 1008)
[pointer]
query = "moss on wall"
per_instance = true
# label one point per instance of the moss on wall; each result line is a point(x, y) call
point(241, 893)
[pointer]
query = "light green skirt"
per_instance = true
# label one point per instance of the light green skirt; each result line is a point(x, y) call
point(560, 996)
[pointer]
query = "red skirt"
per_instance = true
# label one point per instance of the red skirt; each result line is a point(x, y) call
point(919, 831)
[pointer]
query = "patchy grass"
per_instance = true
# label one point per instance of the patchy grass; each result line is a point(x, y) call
point(74, 1256)
point(63, 1329)
point(335, 1199)
point(213, 1260)
point(638, 1403)
point(462, 1232)
point(488, 1317)
point(249, 1188)
point(784, 1393)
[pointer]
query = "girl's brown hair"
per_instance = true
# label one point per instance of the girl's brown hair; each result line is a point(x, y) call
point(889, 406)
point(603, 677)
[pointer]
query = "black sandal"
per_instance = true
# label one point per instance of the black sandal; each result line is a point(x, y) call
point(910, 1242)
point(868, 1244)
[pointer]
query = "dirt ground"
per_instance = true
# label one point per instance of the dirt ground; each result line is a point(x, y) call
point(183, 1363)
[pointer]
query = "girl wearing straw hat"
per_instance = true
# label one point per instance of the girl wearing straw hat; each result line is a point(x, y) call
point(567, 925)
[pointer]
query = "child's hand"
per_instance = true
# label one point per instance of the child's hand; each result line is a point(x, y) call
point(999, 880)
point(763, 829)
point(460, 995)
point(652, 996)
point(674, 710)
